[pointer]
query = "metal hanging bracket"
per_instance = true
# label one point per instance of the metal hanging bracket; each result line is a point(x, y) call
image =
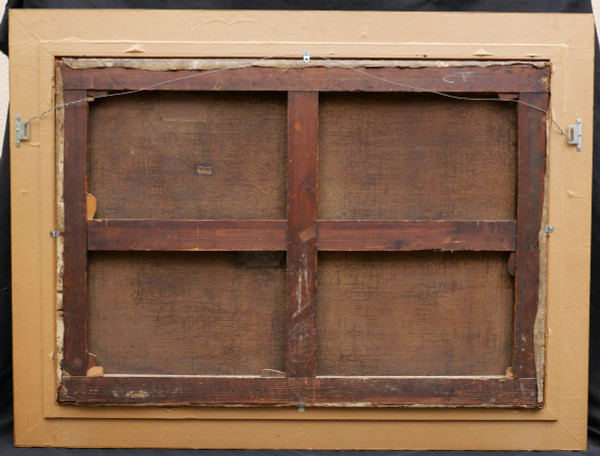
point(22, 130)
point(575, 134)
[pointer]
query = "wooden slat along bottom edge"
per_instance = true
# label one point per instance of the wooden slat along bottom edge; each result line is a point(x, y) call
point(294, 391)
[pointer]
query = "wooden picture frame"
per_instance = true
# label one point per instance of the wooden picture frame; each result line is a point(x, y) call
point(301, 383)
point(524, 81)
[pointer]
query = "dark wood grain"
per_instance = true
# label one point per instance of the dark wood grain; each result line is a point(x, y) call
point(514, 78)
point(416, 157)
point(323, 391)
point(345, 235)
point(75, 249)
point(301, 256)
point(187, 235)
point(531, 172)
point(333, 235)
point(400, 172)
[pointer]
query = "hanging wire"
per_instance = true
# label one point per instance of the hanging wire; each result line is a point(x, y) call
point(306, 57)
point(152, 86)
point(448, 95)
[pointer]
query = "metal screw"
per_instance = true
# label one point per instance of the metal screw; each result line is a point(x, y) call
point(306, 57)
point(54, 233)
point(549, 229)
point(301, 406)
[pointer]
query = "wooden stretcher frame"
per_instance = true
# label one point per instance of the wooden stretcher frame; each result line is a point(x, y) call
point(301, 384)
point(38, 38)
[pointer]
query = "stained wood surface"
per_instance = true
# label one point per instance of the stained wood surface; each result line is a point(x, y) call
point(187, 313)
point(416, 157)
point(301, 278)
point(230, 170)
point(487, 392)
point(516, 78)
point(75, 252)
point(272, 235)
point(531, 171)
point(425, 313)
point(189, 156)
point(187, 235)
point(410, 235)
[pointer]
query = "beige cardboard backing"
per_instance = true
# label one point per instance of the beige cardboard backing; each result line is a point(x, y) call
point(38, 37)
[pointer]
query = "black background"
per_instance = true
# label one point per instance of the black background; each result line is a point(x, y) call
point(555, 6)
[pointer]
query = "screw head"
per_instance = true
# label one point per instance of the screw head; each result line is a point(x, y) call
point(549, 229)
